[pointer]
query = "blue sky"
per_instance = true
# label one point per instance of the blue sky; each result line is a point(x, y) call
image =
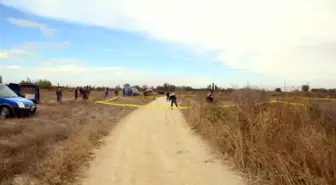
point(74, 50)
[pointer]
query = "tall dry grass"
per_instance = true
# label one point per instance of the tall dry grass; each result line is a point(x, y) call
point(276, 144)
point(52, 147)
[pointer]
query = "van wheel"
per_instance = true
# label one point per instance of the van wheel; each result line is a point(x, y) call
point(4, 112)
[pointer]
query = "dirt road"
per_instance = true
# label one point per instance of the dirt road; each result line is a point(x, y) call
point(156, 147)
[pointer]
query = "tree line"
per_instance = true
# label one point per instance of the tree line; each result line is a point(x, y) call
point(47, 84)
point(306, 88)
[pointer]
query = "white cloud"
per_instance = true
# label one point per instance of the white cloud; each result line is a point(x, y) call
point(14, 54)
point(105, 75)
point(72, 68)
point(10, 67)
point(62, 61)
point(29, 24)
point(43, 45)
point(290, 39)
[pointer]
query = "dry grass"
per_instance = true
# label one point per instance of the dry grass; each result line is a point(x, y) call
point(51, 147)
point(274, 144)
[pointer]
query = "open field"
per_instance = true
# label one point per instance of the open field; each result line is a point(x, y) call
point(271, 143)
point(53, 146)
point(268, 143)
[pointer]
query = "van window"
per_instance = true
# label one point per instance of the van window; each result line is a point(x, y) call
point(26, 90)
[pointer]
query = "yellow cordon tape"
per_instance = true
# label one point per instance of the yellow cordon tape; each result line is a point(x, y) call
point(142, 106)
point(111, 99)
point(306, 98)
point(189, 107)
point(272, 101)
point(229, 106)
point(328, 99)
point(289, 103)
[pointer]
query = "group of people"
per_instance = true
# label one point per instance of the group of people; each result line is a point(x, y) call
point(83, 92)
point(171, 97)
point(107, 90)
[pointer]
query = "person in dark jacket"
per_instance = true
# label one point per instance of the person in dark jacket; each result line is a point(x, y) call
point(89, 90)
point(59, 94)
point(85, 93)
point(76, 93)
point(116, 91)
point(167, 94)
point(81, 92)
point(106, 92)
point(173, 99)
point(210, 97)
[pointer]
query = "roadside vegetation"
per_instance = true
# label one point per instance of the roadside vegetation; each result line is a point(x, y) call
point(52, 147)
point(271, 143)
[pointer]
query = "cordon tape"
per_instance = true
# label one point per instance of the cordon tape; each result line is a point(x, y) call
point(142, 106)
point(106, 102)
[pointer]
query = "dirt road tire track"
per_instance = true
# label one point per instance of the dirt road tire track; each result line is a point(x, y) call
point(156, 147)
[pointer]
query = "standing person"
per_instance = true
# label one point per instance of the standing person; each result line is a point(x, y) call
point(76, 93)
point(124, 91)
point(173, 99)
point(106, 92)
point(167, 94)
point(210, 97)
point(59, 94)
point(81, 91)
point(116, 91)
point(85, 93)
point(89, 89)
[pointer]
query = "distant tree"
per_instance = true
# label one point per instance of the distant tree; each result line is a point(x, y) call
point(159, 87)
point(166, 86)
point(319, 90)
point(127, 85)
point(277, 89)
point(28, 80)
point(305, 88)
point(188, 88)
point(169, 87)
point(44, 83)
point(209, 87)
point(331, 90)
